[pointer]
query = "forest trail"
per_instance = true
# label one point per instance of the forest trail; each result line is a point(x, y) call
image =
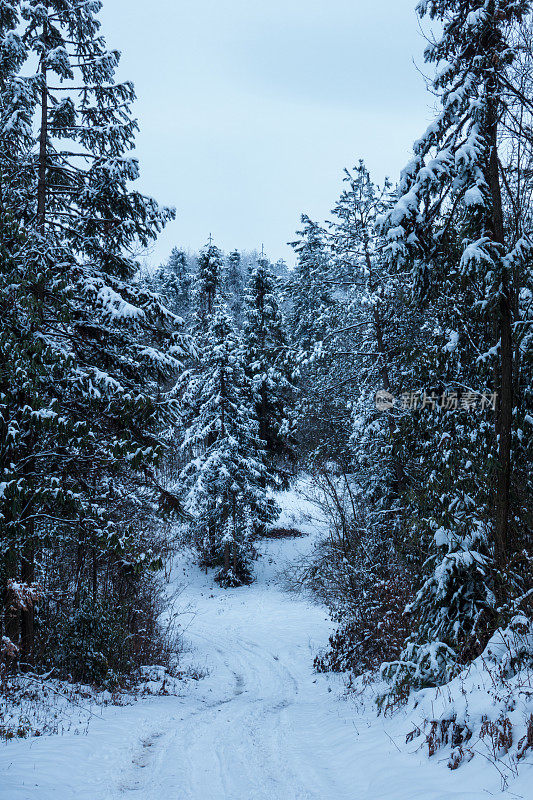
point(260, 726)
point(264, 727)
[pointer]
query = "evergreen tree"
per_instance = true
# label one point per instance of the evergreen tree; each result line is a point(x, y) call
point(173, 281)
point(82, 411)
point(225, 476)
point(309, 289)
point(316, 310)
point(469, 267)
point(268, 366)
point(234, 284)
point(280, 269)
point(363, 570)
point(208, 282)
point(375, 311)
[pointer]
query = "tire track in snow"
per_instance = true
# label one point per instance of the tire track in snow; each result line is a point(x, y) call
point(240, 745)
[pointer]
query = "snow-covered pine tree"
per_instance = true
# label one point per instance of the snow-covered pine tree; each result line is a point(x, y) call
point(14, 143)
point(82, 407)
point(309, 288)
point(360, 571)
point(234, 284)
point(173, 281)
point(225, 478)
point(312, 313)
point(280, 269)
point(268, 367)
point(376, 320)
point(209, 279)
point(469, 267)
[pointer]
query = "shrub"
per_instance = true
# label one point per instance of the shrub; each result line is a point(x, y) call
point(375, 631)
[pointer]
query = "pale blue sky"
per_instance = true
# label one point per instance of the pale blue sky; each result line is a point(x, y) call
point(250, 110)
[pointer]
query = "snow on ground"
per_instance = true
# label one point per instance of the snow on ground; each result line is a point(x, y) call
point(260, 726)
point(300, 511)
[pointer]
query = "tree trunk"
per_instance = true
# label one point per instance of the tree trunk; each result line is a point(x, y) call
point(27, 613)
point(263, 416)
point(28, 554)
point(504, 415)
point(11, 612)
point(226, 557)
point(94, 569)
point(80, 560)
point(27, 557)
point(234, 537)
point(211, 534)
point(43, 137)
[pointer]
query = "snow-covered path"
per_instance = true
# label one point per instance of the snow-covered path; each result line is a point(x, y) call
point(267, 728)
point(261, 726)
point(256, 732)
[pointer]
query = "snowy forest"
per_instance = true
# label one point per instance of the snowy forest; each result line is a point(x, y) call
point(330, 459)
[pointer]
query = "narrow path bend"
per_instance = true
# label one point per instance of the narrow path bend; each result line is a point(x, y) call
point(264, 727)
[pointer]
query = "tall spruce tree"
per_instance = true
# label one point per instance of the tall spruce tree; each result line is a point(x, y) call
point(313, 313)
point(375, 323)
point(209, 280)
point(469, 266)
point(363, 569)
point(268, 367)
point(234, 284)
point(82, 410)
point(173, 281)
point(224, 480)
point(309, 288)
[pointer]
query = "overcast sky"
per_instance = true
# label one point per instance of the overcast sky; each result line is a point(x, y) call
point(250, 109)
